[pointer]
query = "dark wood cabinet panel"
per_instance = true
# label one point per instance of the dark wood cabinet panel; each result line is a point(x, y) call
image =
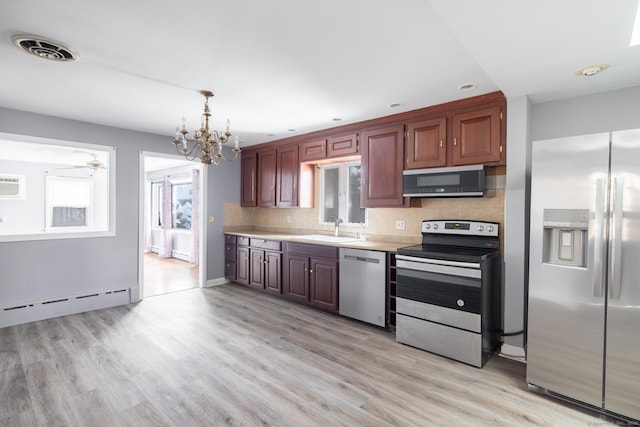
point(323, 284)
point(477, 137)
point(267, 178)
point(273, 272)
point(341, 146)
point(256, 271)
point(382, 164)
point(313, 150)
point(242, 265)
point(296, 280)
point(249, 179)
point(426, 144)
point(230, 270)
point(287, 176)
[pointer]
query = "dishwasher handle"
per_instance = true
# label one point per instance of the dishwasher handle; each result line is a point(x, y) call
point(362, 259)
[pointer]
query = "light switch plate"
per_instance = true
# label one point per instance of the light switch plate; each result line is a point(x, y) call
point(211, 219)
point(400, 224)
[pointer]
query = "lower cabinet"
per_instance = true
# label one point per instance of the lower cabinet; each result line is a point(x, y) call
point(310, 275)
point(301, 272)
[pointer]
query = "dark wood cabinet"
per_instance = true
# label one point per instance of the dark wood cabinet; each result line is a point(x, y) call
point(343, 145)
point(313, 150)
point(267, 178)
point(287, 168)
point(382, 164)
point(426, 144)
point(242, 265)
point(477, 137)
point(230, 254)
point(248, 178)
point(266, 265)
point(323, 284)
point(310, 275)
point(296, 277)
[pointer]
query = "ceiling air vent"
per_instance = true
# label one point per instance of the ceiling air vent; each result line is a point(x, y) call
point(43, 48)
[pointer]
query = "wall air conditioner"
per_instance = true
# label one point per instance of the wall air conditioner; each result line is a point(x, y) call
point(11, 186)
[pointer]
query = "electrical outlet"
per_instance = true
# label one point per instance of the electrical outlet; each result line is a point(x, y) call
point(288, 219)
point(211, 219)
point(399, 224)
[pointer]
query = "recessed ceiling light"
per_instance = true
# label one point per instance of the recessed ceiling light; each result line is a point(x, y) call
point(271, 134)
point(395, 105)
point(467, 86)
point(336, 119)
point(592, 70)
point(291, 130)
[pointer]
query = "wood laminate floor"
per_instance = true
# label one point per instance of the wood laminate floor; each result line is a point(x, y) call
point(164, 275)
point(232, 356)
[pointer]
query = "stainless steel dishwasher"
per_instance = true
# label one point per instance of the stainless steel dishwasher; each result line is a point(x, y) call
point(363, 285)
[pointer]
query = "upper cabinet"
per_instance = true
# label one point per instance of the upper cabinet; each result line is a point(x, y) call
point(249, 178)
point(342, 146)
point(464, 132)
point(267, 178)
point(477, 137)
point(287, 169)
point(471, 136)
point(381, 167)
point(426, 144)
point(313, 150)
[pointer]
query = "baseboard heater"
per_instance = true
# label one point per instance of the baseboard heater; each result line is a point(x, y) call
point(25, 312)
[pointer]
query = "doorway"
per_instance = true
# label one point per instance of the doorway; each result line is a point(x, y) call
point(171, 224)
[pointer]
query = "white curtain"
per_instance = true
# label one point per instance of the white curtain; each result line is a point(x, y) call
point(195, 217)
point(166, 245)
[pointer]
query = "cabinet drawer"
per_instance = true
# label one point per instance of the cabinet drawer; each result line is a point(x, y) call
point(230, 270)
point(313, 150)
point(274, 245)
point(230, 239)
point(319, 251)
point(242, 240)
point(230, 253)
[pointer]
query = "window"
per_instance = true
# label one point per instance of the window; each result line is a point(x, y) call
point(68, 201)
point(340, 193)
point(181, 204)
point(181, 200)
point(54, 189)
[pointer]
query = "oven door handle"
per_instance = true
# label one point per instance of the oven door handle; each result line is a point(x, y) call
point(438, 261)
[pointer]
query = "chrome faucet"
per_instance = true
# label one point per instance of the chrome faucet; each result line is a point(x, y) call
point(337, 222)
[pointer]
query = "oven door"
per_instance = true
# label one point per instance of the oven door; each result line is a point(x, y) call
point(446, 284)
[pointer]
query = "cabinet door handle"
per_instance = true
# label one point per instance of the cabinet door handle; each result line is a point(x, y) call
point(311, 270)
point(306, 270)
point(455, 142)
point(441, 143)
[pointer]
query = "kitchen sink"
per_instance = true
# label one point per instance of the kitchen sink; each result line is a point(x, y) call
point(325, 238)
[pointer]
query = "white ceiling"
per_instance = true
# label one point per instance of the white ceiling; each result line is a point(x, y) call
point(297, 64)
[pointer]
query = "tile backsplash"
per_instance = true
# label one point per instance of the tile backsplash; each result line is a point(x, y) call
point(381, 221)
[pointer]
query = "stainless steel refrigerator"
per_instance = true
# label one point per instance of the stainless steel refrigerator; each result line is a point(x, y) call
point(583, 332)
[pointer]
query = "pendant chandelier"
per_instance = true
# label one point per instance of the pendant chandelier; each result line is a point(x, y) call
point(206, 144)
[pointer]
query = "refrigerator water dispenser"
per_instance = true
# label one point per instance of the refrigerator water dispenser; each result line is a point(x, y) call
point(565, 237)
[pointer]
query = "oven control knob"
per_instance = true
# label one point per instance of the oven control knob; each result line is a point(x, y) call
point(480, 228)
point(460, 303)
point(427, 226)
point(435, 226)
point(490, 228)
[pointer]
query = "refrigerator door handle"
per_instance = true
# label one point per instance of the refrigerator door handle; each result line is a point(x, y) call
point(598, 247)
point(615, 272)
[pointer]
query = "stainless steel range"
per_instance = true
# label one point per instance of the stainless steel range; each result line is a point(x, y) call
point(448, 295)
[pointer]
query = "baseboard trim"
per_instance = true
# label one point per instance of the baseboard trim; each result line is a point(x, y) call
point(216, 282)
point(25, 312)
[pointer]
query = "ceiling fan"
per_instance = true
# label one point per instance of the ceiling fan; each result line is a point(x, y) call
point(93, 164)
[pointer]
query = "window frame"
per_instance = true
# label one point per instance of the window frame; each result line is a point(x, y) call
point(78, 232)
point(343, 185)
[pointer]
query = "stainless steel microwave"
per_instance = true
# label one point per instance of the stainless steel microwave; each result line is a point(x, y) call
point(459, 181)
